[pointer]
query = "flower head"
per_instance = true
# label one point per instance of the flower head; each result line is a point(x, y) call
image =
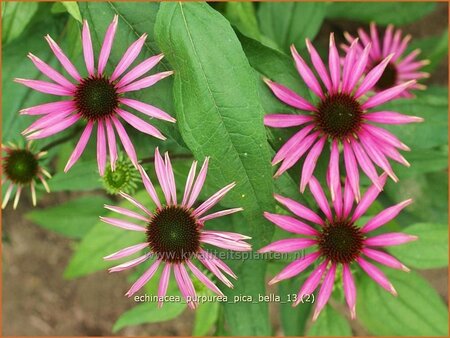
point(401, 68)
point(21, 168)
point(122, 178)
point(338, 242)
point(96, 98)
point(341, 116)
point(175, 233)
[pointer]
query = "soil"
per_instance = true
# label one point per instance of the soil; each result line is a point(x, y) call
point(38, 301)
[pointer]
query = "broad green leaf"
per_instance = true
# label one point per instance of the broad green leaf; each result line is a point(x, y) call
point(72, 9)
point(134, 20)
point(432, 105)
point(83, 176)
point(433, 48)
point(219, 115)
point(73, 218)
point(418, 310)
point(243, 16)
point(383, 13)
point(148, 313)
point(102, 240)
point(15, 18)
point(205, 317)
point(290, 23)
point(423, 161)
point(429, 251)
point(330, 323)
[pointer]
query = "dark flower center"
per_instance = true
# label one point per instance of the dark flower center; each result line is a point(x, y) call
point(173, 234)
point(338, 115)
point(20, 166)
point(341, 241)
point(389, 77)
point(96, 98)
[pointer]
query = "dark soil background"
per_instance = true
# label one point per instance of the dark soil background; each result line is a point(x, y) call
point(38, 301)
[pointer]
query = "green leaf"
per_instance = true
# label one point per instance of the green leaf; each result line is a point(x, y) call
point(82, 177)
point(290, 23)
point(423, 161)
point(148, 313)
point(432, 105)
point(429, 251)
point(133, 22)
point(219, 115)
point(73, 218)
point(205, 317)
point(383, 13)
point(330, 323)
point(102, 240)
point(416, 311)
point(72, 9)
point(15, 18)
point(243, 16)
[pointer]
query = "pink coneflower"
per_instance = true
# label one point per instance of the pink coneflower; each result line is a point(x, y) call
point(175, 233)
point(401, 67)
point(21, 168)
point(341, 116)
point(339, 242)
point(96, 98)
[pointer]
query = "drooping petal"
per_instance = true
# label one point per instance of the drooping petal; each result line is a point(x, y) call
point(291, 224)
point(311, 282)
point(319, 65)
point(48, 120)
point(198, 185)
point(122, 224)
point(320, 197)
point(161, 173)
point(55, 128)
point(126, 212)
point(349, 289)
point(219, 214)
point(144, 82)
point(47, 108)
point(101, 148)
point(325, 291)
point(213, 200)
point(51, 73)
point(348, 198)
point(185, 285)
point(225, 243)
point(80, 146)
point(365, 163)
point(349, 63)
point(149, 186)
point(65, 62)
point(136, 203)
point(205, 280)
point(111, 143)
point(107, 44)
point(128, 57)
point(146, 276)
point(372, 77)
point(351, 169)
point(189, 182)
point(130, 264)
point(333, 169)
point(359, 66)
point(285, 120)
point(306, 73)
point(334, 64)
point(170, 178)
point(377, 275)
point(126, 142)
point(385, 259)
point(210, 265)
point(140, 124)
point(386, 95)
point(310, 163)
point(88, 52)
point(385, 216)
point(7, 195)
point(147, 109)
point(288, 245)
point(295, 267)
point(126, 251)
point(369, 197)
point(390, 117)
point(389, 239)
point(45, 87)
point(17, 197)
point(299, 209)
point(139, 70)
point(288, 96)
point(292, 144)
point(376, 50)
point(163, 284)
point(385, 136)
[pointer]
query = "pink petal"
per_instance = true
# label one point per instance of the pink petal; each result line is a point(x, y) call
point(338, 203)
point(292, 144)
point(48, 120)
point(220, 214)
point(47, 108)
point(291, 224)
point(126, 142)
point(130, 264)
point(185, 285)
point(285, 120)
point(349, 63)
point(210, 265)
point(348, 198)
point(101, 148)
point(126, 212)
point(306, 73)
point(198, 185)
point(384, 258)
point(147, 109)
point(143, 279)
point(365, 163)
point(386, 95)
point(126, 251)
point(189, 182)
point(135, 203)
point(129, 56)
point(7, 195)
point(111, 143)
point(45, 87)
point(161, 173)
point(122, 224)
point(376, 50)
point(140, 124)
point(359, 66)
point(295, 267)
point(319, 65)
point(80, 146)
point(144, 82)
point(87, 49)
point(385, 216)
point(288, 245)
point(288, 96)
point(68, 66)
point(163, 284)
point(205, 280)
point(334, 64)
point(149, 187)
point(372, 77)
point(333, 169)
point(390, 239)
point(299, 209)
point(225, 243)
point(351, 169)
point(213, 200)
point(311, 282)
point(55, 128)
point(226, 234)
point(325, 291)
point(349, 289)
point(369, 197)
point(320, 197)
point(385, 136)
point(387, 39)
point(107, 44)
point(51, 73)
point(377, 275)
point(390, 117)
point(170, 178)
point(139, 70)
point(310, 163)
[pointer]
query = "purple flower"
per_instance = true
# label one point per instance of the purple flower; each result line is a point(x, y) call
point(338, 242)
point(401, 67)
point(175, 233)
point(341, 116)
point(21, 168)
point(97, 98)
